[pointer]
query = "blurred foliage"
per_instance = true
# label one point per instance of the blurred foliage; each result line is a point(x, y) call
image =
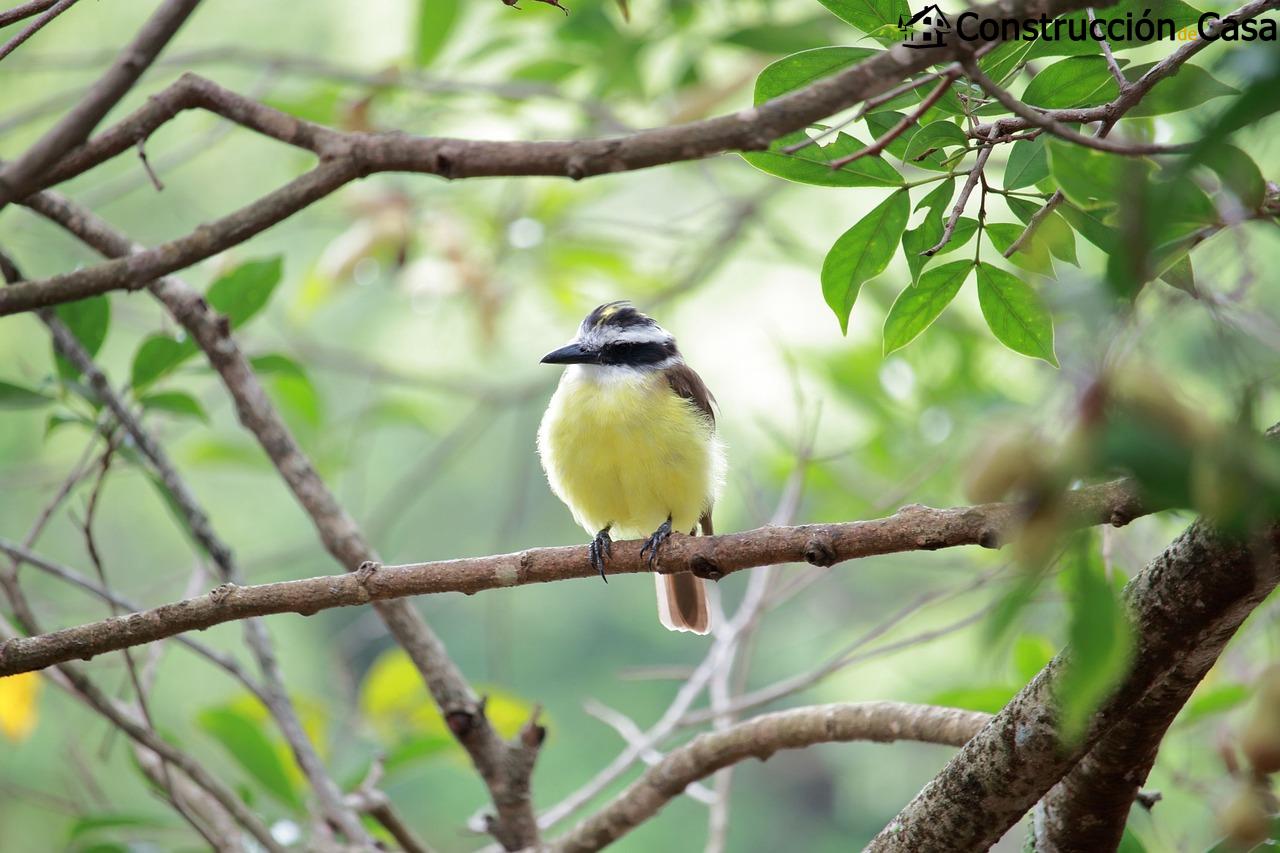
point(398, 326)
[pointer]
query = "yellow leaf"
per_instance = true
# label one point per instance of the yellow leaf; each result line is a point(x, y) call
point(18, 715)
point(395, 701)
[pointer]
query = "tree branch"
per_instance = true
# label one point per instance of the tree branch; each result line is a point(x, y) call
point(347, 156)
point(273, 691)
point(21, 177)
point(913, 528)
point(1184, 606)
point(500, 763)
point(760, 737)
point(35, 26)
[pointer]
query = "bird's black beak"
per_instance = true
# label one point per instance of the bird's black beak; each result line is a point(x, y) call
point(571, 354)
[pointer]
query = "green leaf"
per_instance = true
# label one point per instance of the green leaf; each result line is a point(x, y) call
point(800, 69)
point(933, 137)
point(926, 235)
point(939, 197)
point(90, 824)
point(862, 253)
point(1015, 314)
point(21, 397)
point(1100, 640)
point(1189, 88)
point(990, 699)
point(1211, 701)
point(245, 290)
point(245, 742)
point(1005, 58)
point(1033, 255)
point(812, 164)
point(174, 403)
point(1092, 225)
point(1238, 173)
point(966, 227)
point(436, 20)
point(157, 356)
point(88, 320)
point(1181, 274)
point(545, 70)
point(1053, 231)
point(1091, 178)
point(1080, 81)
point(292, 387)
point(1031, 653)
point(870, 16)
point(917, 307)
point(1175, 10)
point(1028, 164)
point(781, 38)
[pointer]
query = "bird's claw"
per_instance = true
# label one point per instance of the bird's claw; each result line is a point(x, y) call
point(654, 542)
point(601, 548)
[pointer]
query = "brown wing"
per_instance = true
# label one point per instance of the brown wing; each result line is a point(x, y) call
point(688, 384)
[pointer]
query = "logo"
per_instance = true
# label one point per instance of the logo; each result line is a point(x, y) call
point(935, 28)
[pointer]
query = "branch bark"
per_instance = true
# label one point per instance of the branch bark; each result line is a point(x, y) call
point(24, 175)
point(760, 737)
point(504, 765)
point(913, 528)
point(347, 156)
point(1185, 606)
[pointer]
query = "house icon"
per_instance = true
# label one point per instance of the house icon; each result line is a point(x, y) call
point(934, 28)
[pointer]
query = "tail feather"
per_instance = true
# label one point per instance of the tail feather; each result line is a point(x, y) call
point(682, 598)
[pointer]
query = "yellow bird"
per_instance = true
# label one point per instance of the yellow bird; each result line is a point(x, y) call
point(629, 443)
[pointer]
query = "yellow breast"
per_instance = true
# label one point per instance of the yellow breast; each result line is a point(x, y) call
point(621, 449)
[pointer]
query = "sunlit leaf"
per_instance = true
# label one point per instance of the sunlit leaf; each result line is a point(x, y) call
point(1033, 254)
point(870, 16)
point(862, 253)
point(1015, 314)
point(917, 307)
point(990, 699)
point(800, 69)
point(19, 697)
point(812, 164)
point(1031, 653)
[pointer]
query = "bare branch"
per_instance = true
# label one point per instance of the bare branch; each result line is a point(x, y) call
point(35, 26)
point(273, 691)
point(19, 178)
point(760, 737)
point(504, 765)
point(975, 175)
point(913, 528)
point(24, 11)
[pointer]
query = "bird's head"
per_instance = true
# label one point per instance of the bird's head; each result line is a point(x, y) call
point(617, 335)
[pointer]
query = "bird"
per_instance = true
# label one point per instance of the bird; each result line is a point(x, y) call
point(629, 444)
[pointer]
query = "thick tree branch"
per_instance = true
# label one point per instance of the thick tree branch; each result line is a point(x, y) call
point(1185, 606)
point(500, 762)
point(760, 737)
point(347, 156)
point(913, 528)
point(24, 175)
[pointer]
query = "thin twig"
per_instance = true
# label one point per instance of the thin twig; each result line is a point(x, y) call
point(35, 26)
point(905, 122)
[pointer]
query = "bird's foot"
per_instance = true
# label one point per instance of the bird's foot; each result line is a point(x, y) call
point(654, 542)
point(601, 549)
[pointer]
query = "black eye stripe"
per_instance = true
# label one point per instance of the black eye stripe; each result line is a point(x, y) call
point(637, 353)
